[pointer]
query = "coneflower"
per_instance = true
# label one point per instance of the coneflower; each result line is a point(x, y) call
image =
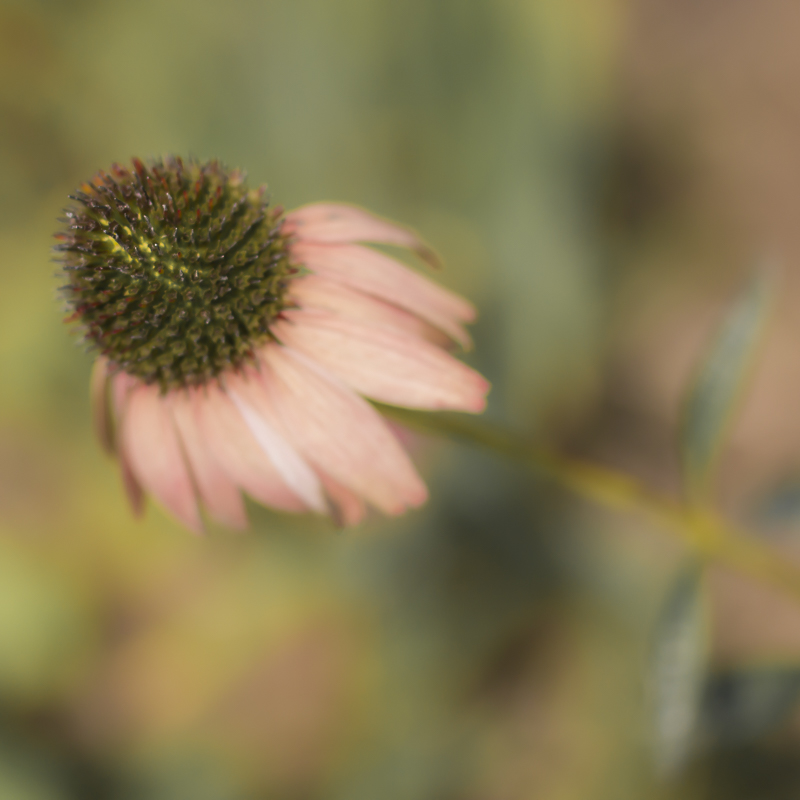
point(236, 344)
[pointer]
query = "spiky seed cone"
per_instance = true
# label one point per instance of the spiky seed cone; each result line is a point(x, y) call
point(175, 268)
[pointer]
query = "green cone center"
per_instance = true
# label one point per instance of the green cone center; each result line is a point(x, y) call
point(176, 269)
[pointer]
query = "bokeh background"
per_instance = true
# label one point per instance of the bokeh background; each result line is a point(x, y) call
point(600, 177)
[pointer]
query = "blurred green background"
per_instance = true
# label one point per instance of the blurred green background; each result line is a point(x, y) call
point(595, 175)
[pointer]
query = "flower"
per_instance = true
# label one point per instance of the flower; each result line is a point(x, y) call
point(237, 344)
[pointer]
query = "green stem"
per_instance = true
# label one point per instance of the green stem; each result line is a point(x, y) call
point(702, 530)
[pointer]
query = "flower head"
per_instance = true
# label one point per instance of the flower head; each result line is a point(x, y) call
point(236, 343)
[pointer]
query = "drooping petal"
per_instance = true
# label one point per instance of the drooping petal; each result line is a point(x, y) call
point(218, 494)
point(102, 416)
point(260, 418)
point(151, 443)
point(379, 275)
point(121, 386)
point(133, 489)
point(347, 507)
point(340, 432)
point(340, 223)
point(234, 448)
point(385, 365)
point(312, 291)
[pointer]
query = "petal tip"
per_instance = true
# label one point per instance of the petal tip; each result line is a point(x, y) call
point(419, 497)
point(478, 406)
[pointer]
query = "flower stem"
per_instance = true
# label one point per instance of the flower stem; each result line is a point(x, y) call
point(701, 529)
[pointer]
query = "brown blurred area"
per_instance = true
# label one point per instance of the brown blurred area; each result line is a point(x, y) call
point(708, 190)
point(709, 181)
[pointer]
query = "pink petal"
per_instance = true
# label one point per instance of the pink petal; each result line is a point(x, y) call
point(156, 459)
point(376, 274)
point(339, 223)
point(218, 494)
point(348, 507)
point(102, 416)
point(133, 489)
point(256, 409)
point(339, 432)
point(385, 365)
point(233, 447)
point(121, 386)
point(312, 291)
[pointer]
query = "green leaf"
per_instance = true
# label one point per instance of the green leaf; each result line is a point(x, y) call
point(780, 506)
point(712, 399)
point(677, 672)
point(741, 705)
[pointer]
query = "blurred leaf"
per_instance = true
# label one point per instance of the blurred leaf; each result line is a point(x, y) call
point(678, 670)
point(743, 704)
point(781, 505)
point(712, 399)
